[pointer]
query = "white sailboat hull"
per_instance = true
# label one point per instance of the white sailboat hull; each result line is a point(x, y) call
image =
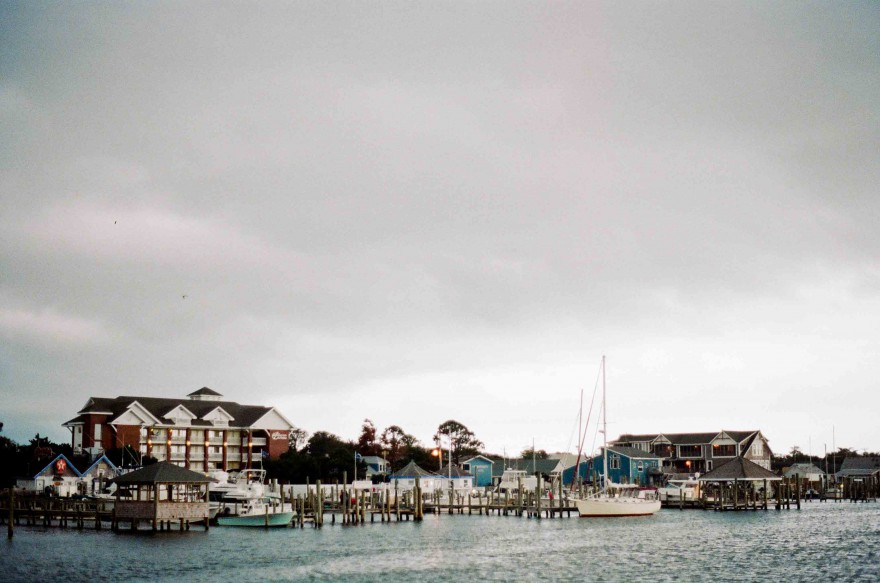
point(606, 507)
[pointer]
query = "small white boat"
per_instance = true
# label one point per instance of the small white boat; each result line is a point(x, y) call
point(676, 491)
point(257, 512)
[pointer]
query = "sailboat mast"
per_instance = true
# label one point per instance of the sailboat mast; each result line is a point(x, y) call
point(604, 430)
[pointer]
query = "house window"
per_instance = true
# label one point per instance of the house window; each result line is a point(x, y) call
point(690, 451)
point(641, 467)
point(728, 450)
point(615, 463)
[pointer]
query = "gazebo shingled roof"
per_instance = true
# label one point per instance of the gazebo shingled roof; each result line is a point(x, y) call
point(163, 473)
point(412, 470)
point(738, 468)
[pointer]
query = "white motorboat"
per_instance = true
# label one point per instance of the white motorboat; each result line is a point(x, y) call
point(258, 512)
point(676, 491)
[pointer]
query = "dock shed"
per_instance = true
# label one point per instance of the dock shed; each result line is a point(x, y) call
point(161, 493)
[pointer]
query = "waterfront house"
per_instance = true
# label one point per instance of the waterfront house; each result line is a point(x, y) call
point(694, 453)
point(461, 480)
point(480, 467)
point(809, 475)
point(626, 465)
point(202, 432)
point(59, 477)
point(376, 465)
point(859, 467)
point(98, 474)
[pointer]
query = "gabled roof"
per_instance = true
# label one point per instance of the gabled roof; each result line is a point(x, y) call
point(687, 438)
point(859, 467)
point(158, 407)
point(104, 459)
point(456, 472)
point(68, 465)
point(738, 468)
point(861, 463)
point(412, 470)
point(373, 459)
point(802, 470)
point(478, 457)
point(163, 473)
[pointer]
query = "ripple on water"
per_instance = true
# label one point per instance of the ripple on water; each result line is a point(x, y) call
point(822, 541)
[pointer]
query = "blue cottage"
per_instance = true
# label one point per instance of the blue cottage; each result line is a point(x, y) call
point(627, 465)
point(480, 467)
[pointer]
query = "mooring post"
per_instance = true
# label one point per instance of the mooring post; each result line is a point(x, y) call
point(9, 528)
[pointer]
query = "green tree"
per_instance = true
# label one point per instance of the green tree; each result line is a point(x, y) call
point(464, 442)
point(297, 438)
point(398, 446)
point(366, 443)
point(538, 454)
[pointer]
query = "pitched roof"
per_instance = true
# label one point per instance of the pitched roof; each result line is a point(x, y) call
point(801, 469)
point(456, 472)
point(412, 470)
point(98, 461)
point(243, 415)
point(686, 438)
point(859, 466)
point(205, 391)
point(738, 468)
point(163, 473)
point(67, 465)
point(861, 463)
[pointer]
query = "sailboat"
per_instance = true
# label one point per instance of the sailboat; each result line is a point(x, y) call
point(615, 500)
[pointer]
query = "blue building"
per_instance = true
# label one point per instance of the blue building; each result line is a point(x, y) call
point(480, 467)
point(627, 465)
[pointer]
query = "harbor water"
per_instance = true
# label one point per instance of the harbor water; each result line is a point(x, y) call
point(823, 541)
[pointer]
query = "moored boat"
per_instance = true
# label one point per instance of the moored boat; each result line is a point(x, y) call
point(257, 512)
point(616, 500)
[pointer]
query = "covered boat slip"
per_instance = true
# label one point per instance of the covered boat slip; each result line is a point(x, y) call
point(161, 494)
point(739, 484)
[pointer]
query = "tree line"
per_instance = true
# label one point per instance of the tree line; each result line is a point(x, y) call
point(327, 457)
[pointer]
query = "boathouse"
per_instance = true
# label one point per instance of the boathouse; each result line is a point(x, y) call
point(161, 494)
point(461, 480)
point(60, 477)
point(480, 467)
point(98, 475)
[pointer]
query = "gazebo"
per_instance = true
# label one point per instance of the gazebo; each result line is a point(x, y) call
point(406, 476)
point(161, 493)
point(736, 482)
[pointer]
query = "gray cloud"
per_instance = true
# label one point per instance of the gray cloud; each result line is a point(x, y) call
point(416, 212)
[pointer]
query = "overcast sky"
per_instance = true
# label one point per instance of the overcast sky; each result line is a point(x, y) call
point(414, 212)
